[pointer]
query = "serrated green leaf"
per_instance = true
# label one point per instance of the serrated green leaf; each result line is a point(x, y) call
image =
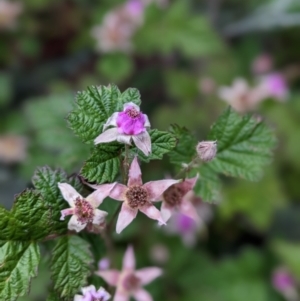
point(71, 265)
point(95, 106)
point(162, 143)
point(18, 264)
point(53, 297)
point(28, 219)
point(45, 181)
point(104, 164)
point(244, 145)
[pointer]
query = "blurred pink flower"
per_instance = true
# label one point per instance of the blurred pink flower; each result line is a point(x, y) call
point(207, 85)
point(131, 124)
point(84, 210)
point(89, 293)
point(104, 263)
point(241, 97)
point(129, 281)
point(174, 200)
point(13, 148)
point(137, 196)
point(159, 253)
point(262, 64)
point(9, 12)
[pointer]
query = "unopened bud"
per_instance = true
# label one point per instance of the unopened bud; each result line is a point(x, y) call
point(207, 150)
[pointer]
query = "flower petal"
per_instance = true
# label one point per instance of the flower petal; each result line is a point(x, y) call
point(142, 295)
point(118, 192)
point(147, 122)
point(99, 216)
point(126, 216)
point(187, 184)
point(107, 136)
point(156, 188)
point(143, 142)
point(86, 289)
point(74, 224)
point(111, 121)
point(146, 275)
point(153, 213)
point(110, 276)
point(78, 298)
point(69, 193)
point(135, 174)
point(65, 212)
point(130, 104)
point(122, 138)
point(165, 211)
point(101, 192)
point(120, 295)
point(187, 208)
point(129, 259)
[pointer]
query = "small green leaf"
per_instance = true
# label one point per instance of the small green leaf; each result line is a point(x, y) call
point(45, 181)
point(71, 265)
point(162, 143)
point(95, 106)
point(28, 219)
point(244, 145)
point(18, 264)
point(104, 164)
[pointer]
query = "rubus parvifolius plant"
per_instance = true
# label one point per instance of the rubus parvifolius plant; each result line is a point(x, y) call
point(65, 213)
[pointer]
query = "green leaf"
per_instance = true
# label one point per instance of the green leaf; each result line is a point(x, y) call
point(95, 106)
point(162, 143)
point(71, 265)
point(244, 145)
point(53, 297)
point(104, 164)
point(18, 264)
point(45, 181)
point(28, 219)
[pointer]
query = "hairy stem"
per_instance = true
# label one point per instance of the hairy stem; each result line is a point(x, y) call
point(186, 169)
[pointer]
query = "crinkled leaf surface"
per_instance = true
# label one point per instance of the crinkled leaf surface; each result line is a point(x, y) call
point(104, 163)
point(28, 219)
point(244, 145)
point(18, 264)
point(45, 181)
point(71, 265)
point(94, 106)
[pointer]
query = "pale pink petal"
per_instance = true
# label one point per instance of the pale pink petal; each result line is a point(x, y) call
point(107, 136)
point(129, 259)
point(110, 276)
point(147, 122)
point(99, 216)
point(165, 211)
point(126, 216)
point(102, 191)
point(86, 289)
point(156, 188)
point(153, 213)
point(135, 174)
point(188, 209)
point(78, 298)
point(143, 142)
point(121, 296)
point(111, 121)
point(142, 295)
point(131, 104)
point(147, 275)
point(126, 139)
point(118, 192)
point(74, 224)
point(188, 184)
point(69, 193)
point(65, 212)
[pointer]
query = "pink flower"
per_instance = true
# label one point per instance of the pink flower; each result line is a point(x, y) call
point(135, 8)
point(9, 12)
point(90, 294)
point(137, 196)
point(129, 282)
point(131, 124)
point(104, 263)
point(207, 150)
point(175, 199)
point(84, 210)
point(275, 86)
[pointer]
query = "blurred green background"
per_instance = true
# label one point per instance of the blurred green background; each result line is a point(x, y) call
point(178, 53)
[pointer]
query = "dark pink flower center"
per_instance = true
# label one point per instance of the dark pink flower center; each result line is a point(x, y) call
point(137, 197)
point(84, 211)
point(131, 122)
point(131, 282)
point(173, 195)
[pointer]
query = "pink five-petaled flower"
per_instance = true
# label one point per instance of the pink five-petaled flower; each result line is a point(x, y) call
point(84, 210)
point(131, 124)
point(129, 282)
point(90, 294)
point(175, 199)
point(138, 196)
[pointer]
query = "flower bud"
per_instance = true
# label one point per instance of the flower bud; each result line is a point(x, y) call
point(207, 150)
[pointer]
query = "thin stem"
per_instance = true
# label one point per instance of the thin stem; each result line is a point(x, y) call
point(126, 164)
point(183, 172)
